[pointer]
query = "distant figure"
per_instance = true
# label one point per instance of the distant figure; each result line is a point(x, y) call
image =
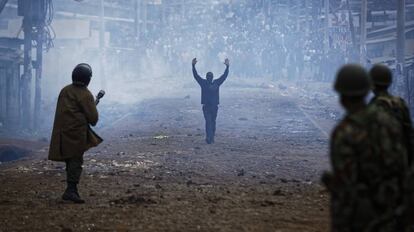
point(72, 136)
point(368, 160)
point(381, 77)
point(210, 98)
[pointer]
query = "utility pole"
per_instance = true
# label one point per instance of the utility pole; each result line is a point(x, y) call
point(363, 27)
point(102, 45)
point(27, 67)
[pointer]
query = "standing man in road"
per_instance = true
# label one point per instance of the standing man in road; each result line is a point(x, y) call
point(210, 97)
point(72, 135)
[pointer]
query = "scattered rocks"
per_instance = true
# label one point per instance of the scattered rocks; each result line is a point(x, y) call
point(240, 172)
point(278, 192)
point(283, 180)
point(156, 178)
point(160, 137)
point(267, 203)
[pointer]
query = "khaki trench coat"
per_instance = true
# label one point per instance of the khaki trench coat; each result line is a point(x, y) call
point(72, 135)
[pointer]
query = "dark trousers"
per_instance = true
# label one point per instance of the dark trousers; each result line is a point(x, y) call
point(74, 169)
point(210, 115)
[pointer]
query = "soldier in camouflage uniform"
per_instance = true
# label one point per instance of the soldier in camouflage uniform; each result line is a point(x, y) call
point(368, 160)
point(381, 78)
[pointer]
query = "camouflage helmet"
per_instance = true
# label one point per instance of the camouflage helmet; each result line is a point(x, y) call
point(81, 74)
point(381, 75)
point(352, 80)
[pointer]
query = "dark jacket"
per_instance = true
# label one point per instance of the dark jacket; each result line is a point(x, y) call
point(210, 92)
point(71, 135)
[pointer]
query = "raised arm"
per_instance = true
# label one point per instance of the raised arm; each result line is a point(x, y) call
point(195, 74)
point(225, 74)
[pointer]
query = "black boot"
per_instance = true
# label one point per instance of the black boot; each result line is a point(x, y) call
point(71, 194)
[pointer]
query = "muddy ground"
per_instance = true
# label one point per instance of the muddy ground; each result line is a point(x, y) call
point(154, 172)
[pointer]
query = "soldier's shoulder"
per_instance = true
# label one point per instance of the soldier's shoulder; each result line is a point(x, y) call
point(346, 128)
point(382, 102)
point(374, 111)
point(375, 114)
point(85, 93)
point(380, 119)
point(66, 88)
point(400, 102)
point(79, 91)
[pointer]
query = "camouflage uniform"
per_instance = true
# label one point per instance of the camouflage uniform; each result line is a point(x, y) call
point(397, 108)
point(368, 162)
point(409, 202)
point(381, 77)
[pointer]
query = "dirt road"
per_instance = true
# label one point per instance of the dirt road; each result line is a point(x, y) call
point(154, 171)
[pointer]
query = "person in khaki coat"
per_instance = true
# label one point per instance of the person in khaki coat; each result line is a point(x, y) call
point(72, 135)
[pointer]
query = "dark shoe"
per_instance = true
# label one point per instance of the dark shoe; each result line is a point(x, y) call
point(72, 196)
